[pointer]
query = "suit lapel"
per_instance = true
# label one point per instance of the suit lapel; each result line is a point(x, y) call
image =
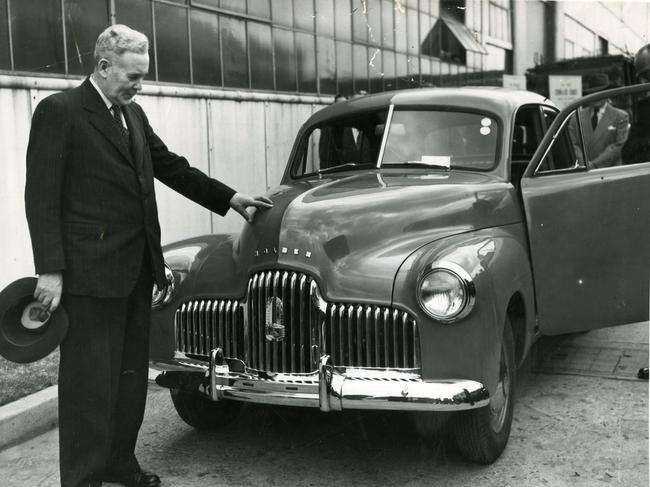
point(100, 118)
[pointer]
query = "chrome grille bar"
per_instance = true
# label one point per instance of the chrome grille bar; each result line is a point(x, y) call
point(353, 334)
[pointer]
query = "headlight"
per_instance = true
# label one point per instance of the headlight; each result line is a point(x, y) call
point(162, 296)
point(446, 292)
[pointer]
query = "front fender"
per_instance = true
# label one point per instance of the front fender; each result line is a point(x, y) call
point(195, 262)
point(497, 260)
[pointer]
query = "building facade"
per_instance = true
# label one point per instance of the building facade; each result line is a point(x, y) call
point(232, 80)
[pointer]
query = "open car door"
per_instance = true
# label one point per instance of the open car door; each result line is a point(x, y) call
point(586, 195)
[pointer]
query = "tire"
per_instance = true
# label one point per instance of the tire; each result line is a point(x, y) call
point(200, 412)
point(482, 434)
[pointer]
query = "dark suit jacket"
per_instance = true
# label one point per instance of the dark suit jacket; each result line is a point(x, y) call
point(604, 143)
point(90, 201)
point(637, 147)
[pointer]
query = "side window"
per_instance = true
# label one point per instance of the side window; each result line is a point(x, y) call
point(566, 152)
point(526, 136)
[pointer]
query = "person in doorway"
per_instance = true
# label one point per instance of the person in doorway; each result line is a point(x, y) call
point(604, 129)
point(91, 210)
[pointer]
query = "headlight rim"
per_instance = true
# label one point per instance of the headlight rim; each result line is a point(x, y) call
point(168, 292)
point(465, 280)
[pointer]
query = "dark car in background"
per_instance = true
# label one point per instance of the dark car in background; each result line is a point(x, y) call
point(420, 241)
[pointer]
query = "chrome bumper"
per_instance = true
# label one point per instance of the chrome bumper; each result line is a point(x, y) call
point(333, 388)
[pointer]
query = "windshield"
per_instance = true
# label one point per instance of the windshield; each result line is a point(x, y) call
point(431, 138)
point(442, 138)
point(341, 144)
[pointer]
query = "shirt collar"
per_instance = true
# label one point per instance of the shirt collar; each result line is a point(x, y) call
point(107, 102)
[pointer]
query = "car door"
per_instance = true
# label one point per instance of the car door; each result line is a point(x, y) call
point(588, 225)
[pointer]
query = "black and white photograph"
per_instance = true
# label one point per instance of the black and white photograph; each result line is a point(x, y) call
point(324, 243)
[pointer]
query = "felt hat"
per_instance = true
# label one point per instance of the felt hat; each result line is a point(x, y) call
point(28, 332)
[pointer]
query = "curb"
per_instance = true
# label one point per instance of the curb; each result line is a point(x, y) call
point(33, 415)
point(28, 417)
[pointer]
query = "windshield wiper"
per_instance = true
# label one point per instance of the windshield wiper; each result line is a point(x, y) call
point(342, 167)
point(432, 165)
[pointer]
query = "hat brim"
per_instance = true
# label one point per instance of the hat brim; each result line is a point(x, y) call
point(21, 344)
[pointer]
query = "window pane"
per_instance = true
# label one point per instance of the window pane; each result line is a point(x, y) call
point(442, 137)
point(359, 22)
point(360, 68)
point(375, 71)
point(343, 24)
point(401, 71)
point(285, 60)
point(235, 58)
point(259, 8)
point(413, 31)
point(325, 18)
point(344, 68)
point(326, 65)
point(566, 151)
point(374, 23)
point(282, 12)
point(388, 58)
point(172, 43)
point(259, 43)
point(353, 140)
point(400, 29)
point(387, 18)
point(84, 21)
point(37, 36)
point(206, 3)
point(304, 14)
point(234, 5)
point(206, 60)
point(137, 15)
point(5, 55)
point(306, 62)
point(413, 67)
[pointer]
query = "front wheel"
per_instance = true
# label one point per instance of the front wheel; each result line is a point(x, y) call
point(482, 434)
point(199, 411)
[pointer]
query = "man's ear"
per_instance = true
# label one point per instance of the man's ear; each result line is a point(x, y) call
point(102, 66)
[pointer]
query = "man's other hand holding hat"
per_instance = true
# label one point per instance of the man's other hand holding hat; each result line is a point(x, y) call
point(48, 290)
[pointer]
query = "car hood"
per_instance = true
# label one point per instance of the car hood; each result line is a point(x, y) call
point(352, 233)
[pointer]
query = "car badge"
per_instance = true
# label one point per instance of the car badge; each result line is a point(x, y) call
point(274, 323)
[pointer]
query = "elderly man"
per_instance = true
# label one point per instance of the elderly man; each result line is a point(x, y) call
point(92, 216)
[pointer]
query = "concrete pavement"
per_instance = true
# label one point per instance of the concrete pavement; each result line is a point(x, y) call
point(581, 419)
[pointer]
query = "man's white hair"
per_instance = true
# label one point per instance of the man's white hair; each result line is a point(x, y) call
point(118, 39)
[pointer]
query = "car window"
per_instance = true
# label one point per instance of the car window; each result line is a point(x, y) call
point(602, 133)
point(445, 138)
point(566, 152)
point(340, 144)
point(527, 133)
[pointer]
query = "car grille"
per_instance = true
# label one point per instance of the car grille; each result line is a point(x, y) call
point(352, 334)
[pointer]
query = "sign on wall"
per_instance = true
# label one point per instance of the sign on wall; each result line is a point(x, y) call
point(564, 89)
point(514, 81)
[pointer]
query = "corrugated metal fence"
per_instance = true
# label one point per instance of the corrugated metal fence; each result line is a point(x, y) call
point(241, 138)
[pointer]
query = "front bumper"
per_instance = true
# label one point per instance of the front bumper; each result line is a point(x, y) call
point(331, 388)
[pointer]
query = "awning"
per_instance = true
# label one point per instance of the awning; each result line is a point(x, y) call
point(464, 35)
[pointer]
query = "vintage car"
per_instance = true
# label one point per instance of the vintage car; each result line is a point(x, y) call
point(419, 242)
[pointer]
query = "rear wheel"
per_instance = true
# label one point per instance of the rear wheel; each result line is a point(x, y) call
point(482, 434)
point(200, 412)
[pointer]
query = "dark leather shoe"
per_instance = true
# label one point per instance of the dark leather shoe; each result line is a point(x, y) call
point(137, 479)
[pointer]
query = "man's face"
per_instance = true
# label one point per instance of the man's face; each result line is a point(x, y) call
point(121, 76)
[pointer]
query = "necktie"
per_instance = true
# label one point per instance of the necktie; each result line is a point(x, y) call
point(117, 118)
point(594, 118)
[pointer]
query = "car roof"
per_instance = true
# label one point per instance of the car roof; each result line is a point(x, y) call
point(501, 101)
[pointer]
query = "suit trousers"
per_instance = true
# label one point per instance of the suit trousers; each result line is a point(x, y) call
point(103, 377)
